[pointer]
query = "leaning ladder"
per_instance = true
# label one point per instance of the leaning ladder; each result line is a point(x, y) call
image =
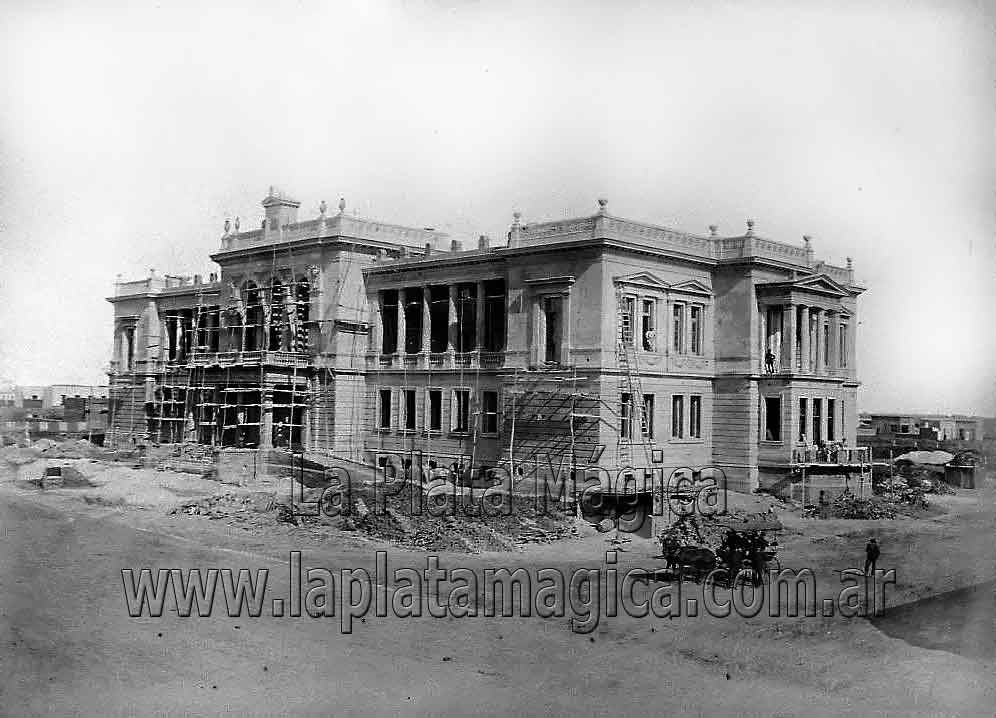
point(629, 382)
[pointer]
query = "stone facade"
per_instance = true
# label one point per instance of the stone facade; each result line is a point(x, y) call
point(596, 337)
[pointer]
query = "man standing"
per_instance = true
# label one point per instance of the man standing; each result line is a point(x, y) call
point(871, 556)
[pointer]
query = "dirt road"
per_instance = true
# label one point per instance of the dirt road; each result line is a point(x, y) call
point(70, 648)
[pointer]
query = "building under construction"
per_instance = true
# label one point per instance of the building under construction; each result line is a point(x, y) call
point(596, 340)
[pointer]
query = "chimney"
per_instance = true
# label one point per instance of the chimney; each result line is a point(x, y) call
point(197, 279)
point(482, 242)
point(456, 245)
point(513, 234)
point(750, 228)
point(713, 229)
point(280, 210)
point(809, 249)
point(428, 249)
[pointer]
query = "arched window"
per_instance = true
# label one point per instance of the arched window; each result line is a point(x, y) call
point(278, 316)
point(253, 327)
point(302, 309)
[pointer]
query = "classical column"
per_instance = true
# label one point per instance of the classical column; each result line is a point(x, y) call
point(804, 349)
point(764, 334)
point(565, 329)
point(266, 420)
point(788, 338)
point(377, 324)
point(818, 342)
point(851, 330)
point(479, 318)
point(833, 350)
point(178, 337)
point(426, 319)
point(451, 320)
point(400, 349)
point(536, 348)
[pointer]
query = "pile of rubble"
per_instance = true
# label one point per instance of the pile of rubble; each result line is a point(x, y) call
point(224, 505)
point(458, 524)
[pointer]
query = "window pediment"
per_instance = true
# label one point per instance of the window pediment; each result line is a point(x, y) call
point(692, 287)
point(642, 280)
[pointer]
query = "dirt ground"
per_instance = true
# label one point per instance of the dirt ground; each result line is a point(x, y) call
point(933, 651)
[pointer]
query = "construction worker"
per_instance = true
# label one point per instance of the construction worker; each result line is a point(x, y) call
point(871, 556)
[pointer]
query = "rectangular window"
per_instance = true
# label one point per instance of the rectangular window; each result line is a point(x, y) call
point(696, 329)
point(385, 409)
point(831, 419)
point(461, 410)
point(678, 328)
point(647, 419)
point(772, 418)
point(695, 417)
point(626, 415)
point(803, 418)
point(826, 345)
point(817, 421)
point(408, 403)
point(843, 345)
point(678, 417)
point(627, 319)
point(552, 312)
point(648, 325)
point(489, 412)
point(435, 409)
point(388, 321)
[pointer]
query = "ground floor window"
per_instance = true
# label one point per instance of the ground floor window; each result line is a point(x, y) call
point(772, 418)
point(803, 418)
point(647, 420)
point(408, 404)
point(489, 412)
point(678, 417)
point(461, 410)
point(831, 420)
point(695, 417)
point(626, 415)
point(435, 409)
point(384, 409)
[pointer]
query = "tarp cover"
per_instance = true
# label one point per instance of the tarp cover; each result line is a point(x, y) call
point(929, 458)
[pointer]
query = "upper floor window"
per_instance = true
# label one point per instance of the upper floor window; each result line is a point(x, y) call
point(678, 328)
point(553, 316)
point(628, 319)
point(696, 329)
point(842, 341)
point(648, 325)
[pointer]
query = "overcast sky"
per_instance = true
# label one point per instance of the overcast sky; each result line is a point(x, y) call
point(128, 132)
